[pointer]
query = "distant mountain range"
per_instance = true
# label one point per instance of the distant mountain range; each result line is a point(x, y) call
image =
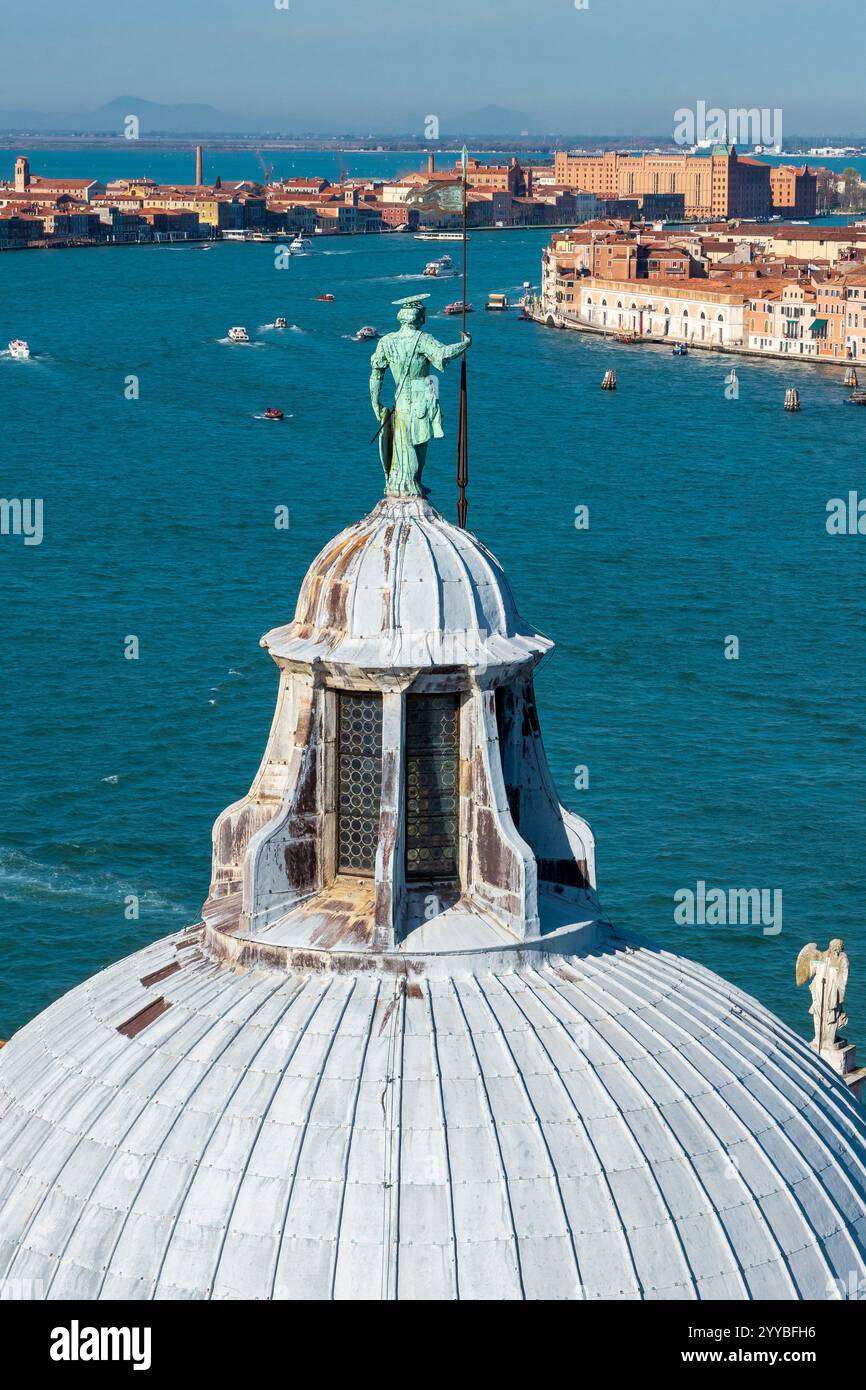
point(157, 118)
point(192, 119)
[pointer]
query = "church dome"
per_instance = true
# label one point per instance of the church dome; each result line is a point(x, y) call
point(404, 587)
point(596, 1120)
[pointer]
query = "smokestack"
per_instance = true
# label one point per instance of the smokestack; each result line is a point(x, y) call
point(198, 178)
point(431, 164)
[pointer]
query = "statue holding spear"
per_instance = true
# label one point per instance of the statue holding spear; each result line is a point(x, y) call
point(416, 417)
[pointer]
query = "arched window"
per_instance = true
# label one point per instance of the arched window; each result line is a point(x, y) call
point(432, 790)
point(702, 314)
point(359, 781)
point(685, 313)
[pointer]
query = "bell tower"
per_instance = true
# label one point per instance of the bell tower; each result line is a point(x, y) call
point(22, 174)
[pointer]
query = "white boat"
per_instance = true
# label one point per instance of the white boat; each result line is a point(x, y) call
point(366, 333)
point(279, 322)
point(238, 335)
point(439, 236)
point(441, 269)
point(18, 348)
point(301, 245)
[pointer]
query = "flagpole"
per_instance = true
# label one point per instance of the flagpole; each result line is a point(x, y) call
point(463, 421)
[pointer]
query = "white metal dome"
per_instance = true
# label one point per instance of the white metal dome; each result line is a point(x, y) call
point(403, 587)
point(355, 1080)
point(589, 1119)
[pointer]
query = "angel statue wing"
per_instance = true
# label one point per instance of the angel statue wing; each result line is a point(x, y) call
point(806, 961)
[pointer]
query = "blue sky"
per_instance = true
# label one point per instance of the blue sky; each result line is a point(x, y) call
point(619, 66)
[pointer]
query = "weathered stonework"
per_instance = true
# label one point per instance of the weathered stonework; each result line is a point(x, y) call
point(403, 604)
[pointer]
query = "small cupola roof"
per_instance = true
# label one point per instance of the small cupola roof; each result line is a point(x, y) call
point(404, 588)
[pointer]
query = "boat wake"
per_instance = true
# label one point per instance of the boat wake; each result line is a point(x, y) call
point(390, 279)
point(260, 415)
point(233, 342)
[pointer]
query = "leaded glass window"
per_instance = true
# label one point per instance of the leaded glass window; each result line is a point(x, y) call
point(359, 755)
point(432, 795)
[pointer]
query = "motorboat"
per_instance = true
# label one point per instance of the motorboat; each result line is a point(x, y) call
point(626, 338)
point(301, 245)
point(279, 322)
point(18, 348)
point(458, 307)
point(273, 414)
point(238, 335)
point(857, 398)
point(365, 334)
point(680, 350)
point(441, 269)
point(326, 298)
point(497, 301)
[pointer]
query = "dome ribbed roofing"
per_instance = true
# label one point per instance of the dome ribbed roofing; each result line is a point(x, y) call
point(618, 1123)
point(403, 587)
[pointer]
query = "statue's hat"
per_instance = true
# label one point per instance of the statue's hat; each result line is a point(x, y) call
point(411, 299)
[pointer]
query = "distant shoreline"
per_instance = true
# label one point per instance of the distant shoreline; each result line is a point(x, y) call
point(483, 144)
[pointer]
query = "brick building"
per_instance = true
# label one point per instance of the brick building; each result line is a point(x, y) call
point(721, 184)
point(794, 190)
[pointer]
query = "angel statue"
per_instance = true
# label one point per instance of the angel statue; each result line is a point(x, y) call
point(828, 973)
point(405, 432)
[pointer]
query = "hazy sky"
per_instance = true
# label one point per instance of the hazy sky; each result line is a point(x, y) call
point(618, 66)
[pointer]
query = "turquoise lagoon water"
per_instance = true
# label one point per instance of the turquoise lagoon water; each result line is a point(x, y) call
point(707, 518)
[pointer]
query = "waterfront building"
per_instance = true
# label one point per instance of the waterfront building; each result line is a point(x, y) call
point(744, 291)
point(398, 215)
point(831, 296)
point(783, 319)
point(855, 318)
point(404, 1054)
point(290, 215)
point(346, 217)
point(19, 230)
point(178, 225)
point(691, 312)
point(794, 190)
point(77, 224)
point(720, 184)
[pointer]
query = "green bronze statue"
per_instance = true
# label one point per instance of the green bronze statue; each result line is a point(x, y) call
point(406, 430)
